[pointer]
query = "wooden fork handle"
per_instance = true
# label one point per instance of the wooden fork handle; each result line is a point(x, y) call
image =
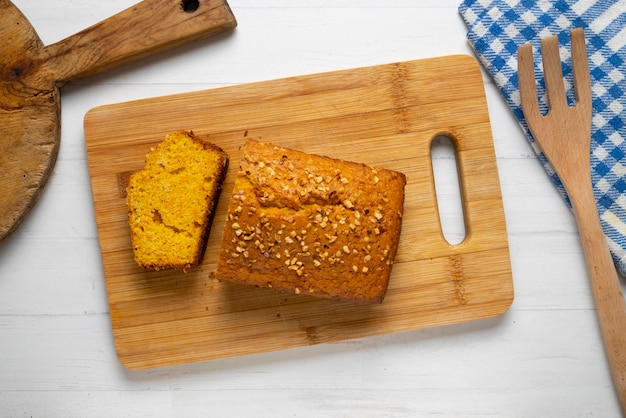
point(605, 284)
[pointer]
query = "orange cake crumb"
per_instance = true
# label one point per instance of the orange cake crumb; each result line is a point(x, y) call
point(172, 199)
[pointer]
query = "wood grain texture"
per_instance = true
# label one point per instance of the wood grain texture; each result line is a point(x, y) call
point(385, 115)
point(31, 74)
point(543, 357)
point(564, 135)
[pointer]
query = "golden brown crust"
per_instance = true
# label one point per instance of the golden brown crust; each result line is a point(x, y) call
point(171, 201)
point(312, 225)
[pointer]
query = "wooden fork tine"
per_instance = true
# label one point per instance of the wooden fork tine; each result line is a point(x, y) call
point(552, 72)
point(526, 82)
point(580, 67)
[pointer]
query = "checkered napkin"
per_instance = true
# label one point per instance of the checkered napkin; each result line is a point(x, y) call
point(497, 28)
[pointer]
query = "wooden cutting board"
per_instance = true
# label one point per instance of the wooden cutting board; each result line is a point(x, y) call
point(386, 116)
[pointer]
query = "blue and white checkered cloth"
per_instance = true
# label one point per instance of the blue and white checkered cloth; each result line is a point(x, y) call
point(497, 28)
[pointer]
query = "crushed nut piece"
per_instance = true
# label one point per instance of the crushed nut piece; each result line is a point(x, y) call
point(311, 223)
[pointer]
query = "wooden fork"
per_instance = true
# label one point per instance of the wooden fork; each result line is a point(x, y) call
point(564, 135)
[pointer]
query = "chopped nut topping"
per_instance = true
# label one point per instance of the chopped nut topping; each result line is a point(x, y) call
point(308, 220)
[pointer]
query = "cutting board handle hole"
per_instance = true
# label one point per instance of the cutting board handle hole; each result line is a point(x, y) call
point(190, 6)
point(448, 189)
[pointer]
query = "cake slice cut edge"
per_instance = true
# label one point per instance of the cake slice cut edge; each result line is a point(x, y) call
point(172, 200)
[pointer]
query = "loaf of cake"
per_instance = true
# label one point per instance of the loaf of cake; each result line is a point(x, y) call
point(171, 201)
point(311, 225)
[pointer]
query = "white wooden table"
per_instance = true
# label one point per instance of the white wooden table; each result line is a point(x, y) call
point(543, 358)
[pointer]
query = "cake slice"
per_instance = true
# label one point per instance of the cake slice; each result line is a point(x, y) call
point(309, 224)
point(172, 199)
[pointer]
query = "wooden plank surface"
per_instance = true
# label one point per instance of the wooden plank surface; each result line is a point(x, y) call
point(385, 115)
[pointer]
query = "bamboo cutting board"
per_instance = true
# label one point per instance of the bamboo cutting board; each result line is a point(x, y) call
point(386, 116)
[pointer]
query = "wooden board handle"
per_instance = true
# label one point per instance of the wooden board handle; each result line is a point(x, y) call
point(149, 27)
